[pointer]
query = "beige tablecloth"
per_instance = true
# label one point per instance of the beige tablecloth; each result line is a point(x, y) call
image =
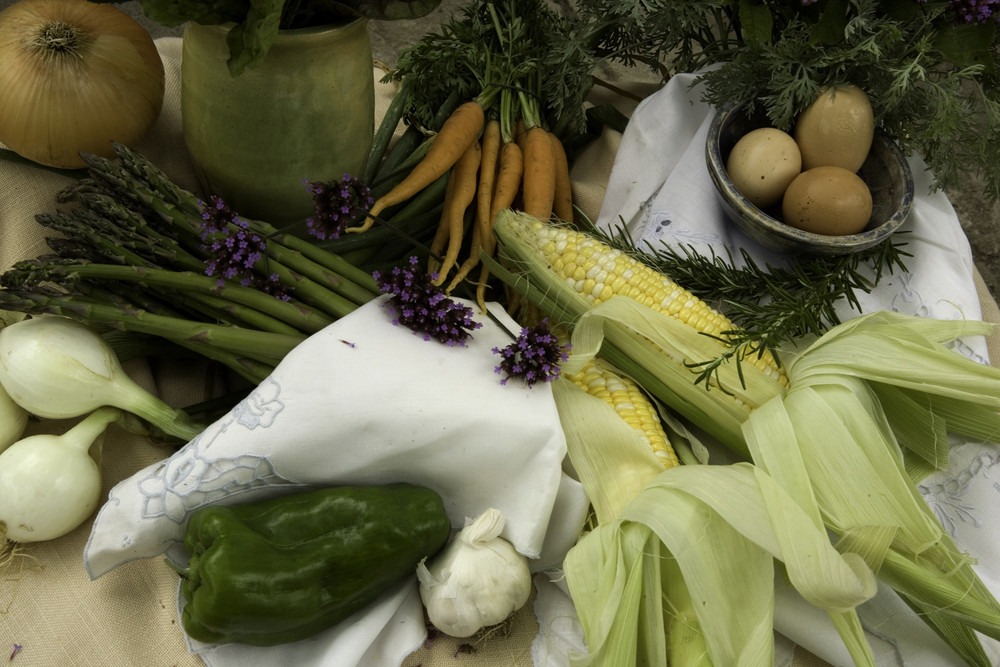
point(51, 613)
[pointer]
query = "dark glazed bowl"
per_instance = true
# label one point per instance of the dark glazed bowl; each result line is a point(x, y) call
point(885, 171)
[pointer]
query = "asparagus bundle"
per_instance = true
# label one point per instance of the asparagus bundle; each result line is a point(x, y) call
point(137, 253)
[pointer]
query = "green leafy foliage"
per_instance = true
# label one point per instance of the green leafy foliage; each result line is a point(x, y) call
point(932, 77)
point(521, 46)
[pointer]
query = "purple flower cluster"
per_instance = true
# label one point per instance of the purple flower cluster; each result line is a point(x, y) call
point(337, 205)
point(975, 11)
point(234, 248)
point(422, 306)
point(534, 357)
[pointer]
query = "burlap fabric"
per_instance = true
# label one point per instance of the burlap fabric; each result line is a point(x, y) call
point(51, 613)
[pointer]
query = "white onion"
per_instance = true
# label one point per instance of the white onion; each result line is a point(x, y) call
point(49, 484)
point(13, 420)
point(58, 368)
point(76, 76)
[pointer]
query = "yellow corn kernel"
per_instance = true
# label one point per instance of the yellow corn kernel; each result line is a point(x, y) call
point(599, 379)
point(598, 272)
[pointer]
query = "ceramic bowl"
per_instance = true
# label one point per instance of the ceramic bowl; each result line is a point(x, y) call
point(885, 171)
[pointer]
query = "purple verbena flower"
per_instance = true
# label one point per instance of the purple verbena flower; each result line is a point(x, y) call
point(534, 357)
point(975, 11)
point(419, 304)
point(234, 249)
point(337, 204)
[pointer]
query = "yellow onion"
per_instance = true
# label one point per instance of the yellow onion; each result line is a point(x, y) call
point(76, 76)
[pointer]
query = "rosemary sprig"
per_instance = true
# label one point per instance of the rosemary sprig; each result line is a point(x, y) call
point(769, 305)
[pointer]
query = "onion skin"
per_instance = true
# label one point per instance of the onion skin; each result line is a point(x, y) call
point(13, 420)
point(106, 86)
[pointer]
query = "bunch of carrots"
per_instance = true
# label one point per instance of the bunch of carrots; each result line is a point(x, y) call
point(490, 146)
point(491, 161)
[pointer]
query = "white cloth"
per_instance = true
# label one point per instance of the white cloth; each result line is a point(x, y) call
point(661, 191)
point(364, 402)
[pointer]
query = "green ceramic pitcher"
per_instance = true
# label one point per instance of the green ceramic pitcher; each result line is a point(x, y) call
point(307, 112)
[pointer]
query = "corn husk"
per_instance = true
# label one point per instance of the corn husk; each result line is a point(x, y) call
point(721, 528)
point(623, 330)
point(835, 438)
point(866, 413)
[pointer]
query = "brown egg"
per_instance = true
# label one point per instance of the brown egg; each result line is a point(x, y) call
point(836, 130)
point(762, 164)
point(827, 200)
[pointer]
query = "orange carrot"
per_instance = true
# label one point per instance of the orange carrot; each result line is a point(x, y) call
point(513, 300)
point(538, 184)
point(465, 178)
point(484, 198)
point(505, 189)
point(492, 143)
point(520, 132)
point(440, 239)
point(481, 285)
point(455, 136)
point(508, 182)
point(562, 200)
point(470, 261)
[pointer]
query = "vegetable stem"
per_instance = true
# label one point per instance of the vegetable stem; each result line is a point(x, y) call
point(83, 434)
point(255, 344)
point(296, 316)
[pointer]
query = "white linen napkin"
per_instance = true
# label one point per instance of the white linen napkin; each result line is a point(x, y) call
point(364, 402)
point(661, 191)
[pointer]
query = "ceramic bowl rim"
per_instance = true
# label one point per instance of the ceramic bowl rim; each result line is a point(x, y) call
point(843, 244)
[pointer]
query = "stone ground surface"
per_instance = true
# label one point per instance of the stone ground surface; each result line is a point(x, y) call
point(980, 220)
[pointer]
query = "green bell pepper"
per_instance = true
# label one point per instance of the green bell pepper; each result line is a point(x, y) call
point(289, 567)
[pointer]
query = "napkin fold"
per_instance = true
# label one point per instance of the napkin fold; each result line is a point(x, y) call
point(364, 402)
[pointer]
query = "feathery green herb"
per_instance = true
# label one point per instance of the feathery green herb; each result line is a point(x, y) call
point(769, 304)
point(930, 68)
point(522, 46)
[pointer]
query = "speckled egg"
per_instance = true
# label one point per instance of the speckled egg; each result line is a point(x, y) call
point(762, 164)
point(836, 130)
point(833, 201)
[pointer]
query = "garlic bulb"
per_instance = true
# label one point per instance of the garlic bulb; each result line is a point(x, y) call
point(76, 76)
point(478, 580)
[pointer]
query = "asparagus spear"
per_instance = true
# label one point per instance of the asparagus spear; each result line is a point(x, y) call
point(263, 346)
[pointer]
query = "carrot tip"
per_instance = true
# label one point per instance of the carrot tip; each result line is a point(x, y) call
point(362, 228)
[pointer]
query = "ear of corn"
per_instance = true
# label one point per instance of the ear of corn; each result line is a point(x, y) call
point(612, 460)
point(659, 345)
point(598, 272)
point(850, 401)
point(599, 379)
